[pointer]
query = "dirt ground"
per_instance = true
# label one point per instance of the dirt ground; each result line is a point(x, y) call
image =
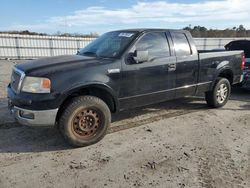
point(181, 143)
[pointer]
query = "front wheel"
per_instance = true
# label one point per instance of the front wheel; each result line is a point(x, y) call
point(85, 121)
point(220, 94)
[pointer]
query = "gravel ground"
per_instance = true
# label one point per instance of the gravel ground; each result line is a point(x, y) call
point(181, 143)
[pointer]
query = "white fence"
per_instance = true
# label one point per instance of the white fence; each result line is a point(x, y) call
point(214, 43)
point(29, 47)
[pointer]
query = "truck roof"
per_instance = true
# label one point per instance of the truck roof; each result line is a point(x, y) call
point(148, 30)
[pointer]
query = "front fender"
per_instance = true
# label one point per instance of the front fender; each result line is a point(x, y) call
point(98, 85)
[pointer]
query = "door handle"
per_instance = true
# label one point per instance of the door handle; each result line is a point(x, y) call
point(172, 67)
point(113, 71)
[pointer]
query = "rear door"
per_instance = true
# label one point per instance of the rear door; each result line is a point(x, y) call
point(152, 81)
point(187, 64)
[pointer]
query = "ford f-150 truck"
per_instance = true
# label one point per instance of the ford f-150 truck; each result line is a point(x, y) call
point(119, 70)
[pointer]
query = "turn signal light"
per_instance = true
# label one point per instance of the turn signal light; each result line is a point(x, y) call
point(46, 84)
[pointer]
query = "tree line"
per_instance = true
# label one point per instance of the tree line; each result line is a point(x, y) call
point(203, 32)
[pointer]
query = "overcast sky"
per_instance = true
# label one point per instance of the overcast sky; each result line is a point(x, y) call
point(85, 16)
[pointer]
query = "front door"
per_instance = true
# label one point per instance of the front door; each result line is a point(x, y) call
point(153, 80)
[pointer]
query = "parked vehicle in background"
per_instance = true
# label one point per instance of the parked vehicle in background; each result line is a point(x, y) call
point(119, 70)
point(242, 45)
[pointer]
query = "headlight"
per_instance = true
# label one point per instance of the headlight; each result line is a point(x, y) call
point(36, 85)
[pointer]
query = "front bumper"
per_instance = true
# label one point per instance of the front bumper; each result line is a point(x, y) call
point(33, 109)
point(34, 118)
point(37, 102)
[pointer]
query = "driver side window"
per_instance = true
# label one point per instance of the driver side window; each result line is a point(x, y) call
point(156, 44)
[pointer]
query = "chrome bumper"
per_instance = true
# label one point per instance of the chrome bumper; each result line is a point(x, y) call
point(34, 118)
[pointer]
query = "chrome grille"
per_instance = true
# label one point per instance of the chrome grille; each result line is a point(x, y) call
point(16, 79)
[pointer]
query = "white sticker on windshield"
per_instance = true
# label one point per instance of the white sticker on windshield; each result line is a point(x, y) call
point(126, 35)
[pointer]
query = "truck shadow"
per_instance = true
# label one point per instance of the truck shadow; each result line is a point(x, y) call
point(240, 95)
point(15, 138)
point(183, 104)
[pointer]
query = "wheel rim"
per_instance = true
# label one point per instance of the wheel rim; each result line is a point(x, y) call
point(87, 123)
point(222, 93)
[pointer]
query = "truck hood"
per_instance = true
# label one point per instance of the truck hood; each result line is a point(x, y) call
point(53, 64)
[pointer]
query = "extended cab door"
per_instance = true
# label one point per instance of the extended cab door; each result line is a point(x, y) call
point(153, 80)
point(187, 66)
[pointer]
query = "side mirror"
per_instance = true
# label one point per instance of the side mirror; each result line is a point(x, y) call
point(141, 56)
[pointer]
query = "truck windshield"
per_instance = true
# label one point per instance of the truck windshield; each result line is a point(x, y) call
point(109, 45)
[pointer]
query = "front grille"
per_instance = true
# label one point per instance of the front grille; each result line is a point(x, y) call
point(15, 79)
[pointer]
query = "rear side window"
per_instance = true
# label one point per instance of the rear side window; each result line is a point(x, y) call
point(181, 44)
point(156, 44)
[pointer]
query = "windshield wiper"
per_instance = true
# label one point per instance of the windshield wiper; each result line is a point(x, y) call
point(90, 54)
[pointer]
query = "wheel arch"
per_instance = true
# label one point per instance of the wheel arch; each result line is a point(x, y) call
point(228, 74)
point(101, 91)
point(224, 73)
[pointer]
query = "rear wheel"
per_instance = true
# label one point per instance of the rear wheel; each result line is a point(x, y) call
point(85, 121)
point(220, 94)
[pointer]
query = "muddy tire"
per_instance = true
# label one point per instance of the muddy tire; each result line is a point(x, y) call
point(85, 121)
point(220, 94)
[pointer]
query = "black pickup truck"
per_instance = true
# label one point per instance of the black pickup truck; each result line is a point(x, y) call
point(119, 70)
point(245, 46)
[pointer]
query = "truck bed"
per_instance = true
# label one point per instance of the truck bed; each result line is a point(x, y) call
point(212, 60)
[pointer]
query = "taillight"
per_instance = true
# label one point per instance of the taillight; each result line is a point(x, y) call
point(243, 62)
